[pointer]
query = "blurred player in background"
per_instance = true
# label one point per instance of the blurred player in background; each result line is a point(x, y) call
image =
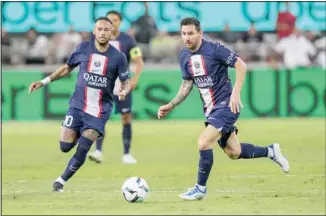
point(126, 44)
point(100, 64)
point(205, 65)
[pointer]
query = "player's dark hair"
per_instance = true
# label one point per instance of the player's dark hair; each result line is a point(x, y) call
point(116, 13)
point(191, 21)
point(103, 18)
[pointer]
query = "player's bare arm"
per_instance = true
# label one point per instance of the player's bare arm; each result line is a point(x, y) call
point(185, 89)
point(58, 74)
point(137, 59)
point(124, 89)
point(235, 101)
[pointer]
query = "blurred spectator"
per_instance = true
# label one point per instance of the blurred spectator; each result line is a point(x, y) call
point(227, 36)
point(165, 48)
point(30, 50)
point(5, 47)
point(85, 36)
point(66, 44)
point(144, 29)
point(209, 37)
point(321, 53)
point(285, 23)
point(252, 35)
point(253, 43)
point(296, 50)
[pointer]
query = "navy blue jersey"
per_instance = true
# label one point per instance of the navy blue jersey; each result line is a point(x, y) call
point(208, 68)
point(96, 78)
point(125, 43)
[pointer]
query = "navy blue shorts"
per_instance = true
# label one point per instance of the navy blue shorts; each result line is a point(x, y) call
point(223, 120)
point(124, 106)
point(79, 121)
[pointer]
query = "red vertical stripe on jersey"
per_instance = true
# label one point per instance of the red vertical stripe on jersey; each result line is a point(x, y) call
point(203, 63)
point(89, 63)
point(105, 66)
point(101, 91)
point(206, 73)
point(88, 70)
point(100, 104)
point(85, 100)
point(191, 70)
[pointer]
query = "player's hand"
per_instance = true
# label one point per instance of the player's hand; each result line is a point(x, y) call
point(235, 102)
point(164, 110)
point(122, 95)
point(34, 86)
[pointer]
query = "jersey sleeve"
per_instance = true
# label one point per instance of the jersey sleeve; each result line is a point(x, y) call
point(135, 51)
point(74, 58)
point(184, 70)
point(123, 71)
point(225, 56)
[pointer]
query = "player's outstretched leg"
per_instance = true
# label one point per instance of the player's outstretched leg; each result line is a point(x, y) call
point(236, 150)
point(127, 158)
point(84, 144)
point(205, 143)
point(96, 155)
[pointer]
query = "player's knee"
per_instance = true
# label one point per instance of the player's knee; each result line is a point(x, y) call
point(126, 118)
point(204, 143)
point(232, 153)
point(66, 147)
point(91, 134)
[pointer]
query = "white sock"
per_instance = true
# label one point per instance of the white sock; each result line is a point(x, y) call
point(60, 180)
point(270, 153)
point(202, 188)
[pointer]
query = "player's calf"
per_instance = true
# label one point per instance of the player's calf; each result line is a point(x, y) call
point(205, 143)
point(230, 145)
point(236, 150)
point(232, 153)
point(126, 119)
point(84, 144)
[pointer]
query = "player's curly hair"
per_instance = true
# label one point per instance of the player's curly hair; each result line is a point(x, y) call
point(191, 21)
point(116, 13)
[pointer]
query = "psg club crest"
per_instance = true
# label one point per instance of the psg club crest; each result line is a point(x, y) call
point(197, 65)
point(97, 63)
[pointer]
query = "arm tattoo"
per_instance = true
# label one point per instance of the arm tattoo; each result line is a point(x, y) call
point(125, 85)
point(61, 72)
point(185, 89)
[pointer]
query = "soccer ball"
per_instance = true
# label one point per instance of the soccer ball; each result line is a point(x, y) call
point(135, 189)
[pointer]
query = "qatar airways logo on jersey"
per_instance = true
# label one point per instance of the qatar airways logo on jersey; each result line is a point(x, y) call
point(203, 81)
point(95, 81)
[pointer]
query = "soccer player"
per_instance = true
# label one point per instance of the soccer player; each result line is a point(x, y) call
point(205, 65)
point(100, 64)
point(126, 44)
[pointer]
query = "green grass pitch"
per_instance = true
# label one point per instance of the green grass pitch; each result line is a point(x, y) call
point(167, 159)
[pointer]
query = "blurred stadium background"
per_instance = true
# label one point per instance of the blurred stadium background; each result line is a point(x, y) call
point(284, 97)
